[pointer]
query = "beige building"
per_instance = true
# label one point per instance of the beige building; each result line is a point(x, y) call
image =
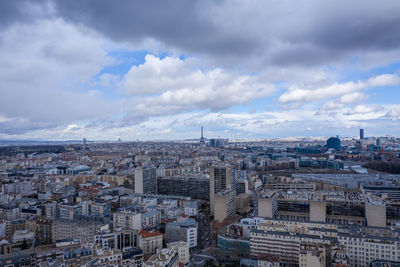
point(82, 230)
point(267, 204)
point(110, 257)
point(150, 242)
point(317, 211)
point(183, 251)
point(312, 255)
point(224, 205)
point(163, 258)
point(242, 202)
point(221, 178)
point(375, 212)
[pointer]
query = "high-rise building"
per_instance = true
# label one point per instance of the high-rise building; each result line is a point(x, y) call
point(146, 181)
point(378, 143)
point(189, 186)
point(361, 134)
point(221, 179)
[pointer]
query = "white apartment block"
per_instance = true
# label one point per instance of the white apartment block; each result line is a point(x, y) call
point(363, 249)
point(151, 219)
point(127, 219)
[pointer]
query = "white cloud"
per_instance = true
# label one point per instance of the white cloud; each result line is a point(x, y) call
point(384, 80)
point(172, 85)
point(365, 109)
point(330, 105)
point(43, 70)
point(353, 98)
point(298, 94)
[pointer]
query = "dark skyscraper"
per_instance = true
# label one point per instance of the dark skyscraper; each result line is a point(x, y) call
point(361, 134)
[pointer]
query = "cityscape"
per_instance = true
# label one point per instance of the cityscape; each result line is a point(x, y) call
point(171, 133)
point(205, 202)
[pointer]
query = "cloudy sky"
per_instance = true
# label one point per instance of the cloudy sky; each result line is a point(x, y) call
point(160, 69)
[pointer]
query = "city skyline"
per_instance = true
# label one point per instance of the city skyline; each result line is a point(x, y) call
point(159, 71)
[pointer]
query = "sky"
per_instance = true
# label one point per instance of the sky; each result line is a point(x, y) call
point(158, 70)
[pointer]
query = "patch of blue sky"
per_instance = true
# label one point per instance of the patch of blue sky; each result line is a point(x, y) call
point(123, 61)
point(354, 73)
point(388, 95)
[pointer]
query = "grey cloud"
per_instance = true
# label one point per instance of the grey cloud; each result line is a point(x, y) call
point(281, 33)
point(182, 24)
point(43, 67)
point(235, 33)
point(13, 11)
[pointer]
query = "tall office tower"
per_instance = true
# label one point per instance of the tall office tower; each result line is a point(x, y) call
point(202, 142)
point(146, 181)
point(378, 143)
point(361, 134)
point(221, 179)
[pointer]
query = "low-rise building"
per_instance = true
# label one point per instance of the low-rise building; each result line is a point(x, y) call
point(150, 242)
point(184, 229)
point(183, 251)
point(163, 258)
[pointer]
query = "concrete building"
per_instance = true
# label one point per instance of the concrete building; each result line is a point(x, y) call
point(248, 224)
point(146, 181)
point(224, 204)
point(69, 211)
point(312, 255)
point(232, 247)
point(242, 202)
point(102, 257)
point(267, 204)
point(51, 210)
point(125, 239)
point(242, 186)
point(183, 251)
point(5, 228)
point(190, 207)
point(221, 178)
point(365, 244)
point(43, 231)
point(189, 186)
point(317, 211)
point(151, 219)
point(23, 238)
point(163, 258)
point(184, 229)
point(82, 230)
point(9, 212)
point(105, 240)
point(150, 242)
point(375, 212)
point(127, 219)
